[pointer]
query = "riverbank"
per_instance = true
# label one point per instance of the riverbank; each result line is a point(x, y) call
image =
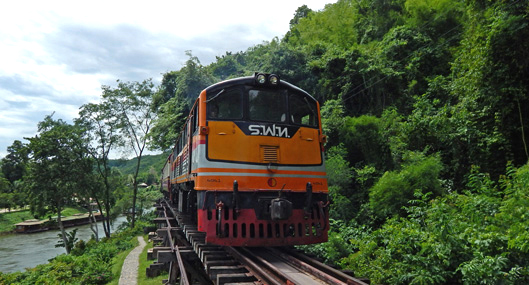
point(8, 220)
point(89, 262)
point(21, 251)
point(35, 226)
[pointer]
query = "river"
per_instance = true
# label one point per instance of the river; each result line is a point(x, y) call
point(21, 251)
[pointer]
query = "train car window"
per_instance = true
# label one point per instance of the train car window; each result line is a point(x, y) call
point(195, 120)
point(180, 144)
point(267, 105)
point(184, 134)
point(303, 110)
point(225, 104)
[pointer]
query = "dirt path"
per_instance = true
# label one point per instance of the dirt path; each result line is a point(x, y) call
point(129, 271)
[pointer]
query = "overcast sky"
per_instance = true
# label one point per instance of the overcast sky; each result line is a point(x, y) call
point(55, 55)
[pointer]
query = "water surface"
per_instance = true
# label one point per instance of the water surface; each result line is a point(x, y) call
point(21, 251)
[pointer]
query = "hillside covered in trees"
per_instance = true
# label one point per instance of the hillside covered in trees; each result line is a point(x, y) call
point(426, 107)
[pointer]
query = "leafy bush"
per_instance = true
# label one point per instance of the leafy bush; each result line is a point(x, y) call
point(365, 143)
point(340, 244)
point(104, 252)
point(476, 237)
point(395, 188)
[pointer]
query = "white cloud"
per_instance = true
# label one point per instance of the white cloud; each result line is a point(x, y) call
point(55, 55)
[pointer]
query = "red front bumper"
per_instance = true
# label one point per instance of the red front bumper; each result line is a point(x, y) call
point(244, 229)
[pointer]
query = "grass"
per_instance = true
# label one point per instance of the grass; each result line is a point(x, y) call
point(144, 263)
point(9, 219)
point(71, 211)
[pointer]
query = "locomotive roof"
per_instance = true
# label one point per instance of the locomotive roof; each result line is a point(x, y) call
point(250, 80)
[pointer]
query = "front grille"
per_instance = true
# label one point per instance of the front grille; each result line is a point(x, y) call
point(269, 153)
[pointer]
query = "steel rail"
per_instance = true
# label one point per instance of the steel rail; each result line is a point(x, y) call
point(325, 273)
point(325, 268)
point(271, 276)
point(176, 251)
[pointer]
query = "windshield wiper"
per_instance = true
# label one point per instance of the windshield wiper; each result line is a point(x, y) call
point(215, 97)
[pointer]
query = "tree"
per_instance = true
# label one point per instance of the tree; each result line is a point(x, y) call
point(333, 26)
point(395, 189)
point(301, 12)
point(174, 99)
point(132, 103)
point(364, 139)
point(57, 165)
point(6, 197)
point(14, 163)
point(102, 125)
point(170, 119)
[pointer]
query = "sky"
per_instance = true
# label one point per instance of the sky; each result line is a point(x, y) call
point(56, 55)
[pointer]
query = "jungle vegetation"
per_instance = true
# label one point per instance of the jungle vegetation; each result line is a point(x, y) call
point(426, 107)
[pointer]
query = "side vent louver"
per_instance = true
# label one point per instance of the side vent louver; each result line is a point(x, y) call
point(269, 153)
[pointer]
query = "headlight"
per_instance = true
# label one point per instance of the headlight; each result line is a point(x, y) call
point(266, 79)
point(273, 79)
point(261, 78)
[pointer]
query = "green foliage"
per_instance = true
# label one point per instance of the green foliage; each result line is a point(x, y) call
point(71, 239)
point(491, 86)
point(127, 166)
point(133, 104)
point(174, 99)
point(14, 163)
point(470, 238)
point(102, 124)
point(59, 166)
point(394, 189)
point(171, 118)
point(362, 137)
point(9, 219)
point(339, 178)
point(332, 119)
point(339, 172)
point(435, 17)
point(515, 207)
point(341, 241)
point(333, 26)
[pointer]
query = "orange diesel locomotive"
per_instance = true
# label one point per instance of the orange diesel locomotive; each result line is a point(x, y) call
point(248, 166)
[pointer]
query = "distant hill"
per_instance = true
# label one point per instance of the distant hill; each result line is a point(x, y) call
point(147, 161)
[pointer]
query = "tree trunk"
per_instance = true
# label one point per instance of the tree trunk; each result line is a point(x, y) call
point(106, 221)
point(135, 193)
point(63, 232)
point(523, 132)
point(105, 218)
point(93, 223)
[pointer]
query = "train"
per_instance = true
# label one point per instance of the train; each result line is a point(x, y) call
point(248, 165)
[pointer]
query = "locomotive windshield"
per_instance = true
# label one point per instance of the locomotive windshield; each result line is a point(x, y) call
point(225, 104)
point(265, 105)
point(303, 110)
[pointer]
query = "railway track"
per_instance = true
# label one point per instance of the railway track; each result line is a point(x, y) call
point(182, 250)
